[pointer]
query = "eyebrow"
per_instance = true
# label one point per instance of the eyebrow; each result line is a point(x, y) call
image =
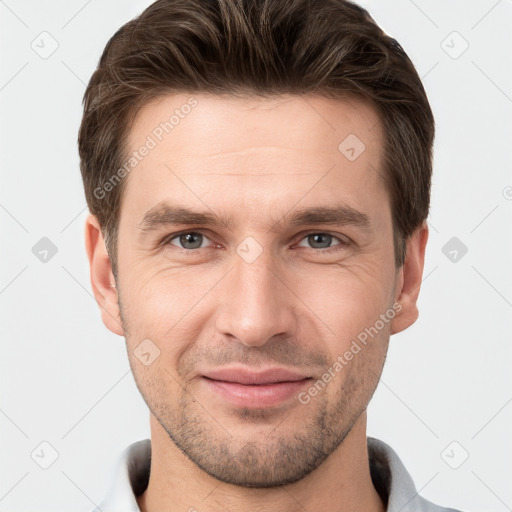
point(165, 214)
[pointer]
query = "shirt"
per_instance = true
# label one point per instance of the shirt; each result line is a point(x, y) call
point(389, 477)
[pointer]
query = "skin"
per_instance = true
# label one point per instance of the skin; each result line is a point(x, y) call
point(298, 305)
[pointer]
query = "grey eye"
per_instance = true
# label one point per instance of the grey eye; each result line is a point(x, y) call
point(191, 240)
point(320, 240)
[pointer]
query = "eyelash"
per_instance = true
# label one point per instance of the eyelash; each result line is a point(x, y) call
point(343, 242)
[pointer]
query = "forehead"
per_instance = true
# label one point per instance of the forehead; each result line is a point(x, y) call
point(198, 123)
point(268, 150)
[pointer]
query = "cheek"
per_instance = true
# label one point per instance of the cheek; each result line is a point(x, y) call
point(165, 307)
point(158, 297)
point(344, 300)
point(171, 306)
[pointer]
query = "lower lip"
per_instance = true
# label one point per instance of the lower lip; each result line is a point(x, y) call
point(256, 396)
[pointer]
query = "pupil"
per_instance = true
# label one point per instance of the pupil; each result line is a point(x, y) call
point(188, 238)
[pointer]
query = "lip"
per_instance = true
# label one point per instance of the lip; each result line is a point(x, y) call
point(244, 376)
point(254, 390)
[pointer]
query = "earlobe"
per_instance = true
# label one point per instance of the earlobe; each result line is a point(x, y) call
point(409, 280)
point(102, 278)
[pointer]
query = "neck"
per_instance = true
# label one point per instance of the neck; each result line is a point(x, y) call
point(342, 482)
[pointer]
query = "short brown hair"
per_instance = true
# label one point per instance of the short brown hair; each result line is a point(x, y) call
point(257, 47)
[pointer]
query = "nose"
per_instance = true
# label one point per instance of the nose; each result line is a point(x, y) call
point(257, 302)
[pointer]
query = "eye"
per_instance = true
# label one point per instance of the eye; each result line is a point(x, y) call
point(324, 240)
point(189, 240)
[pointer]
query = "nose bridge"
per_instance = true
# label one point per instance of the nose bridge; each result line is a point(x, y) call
point(256, 305)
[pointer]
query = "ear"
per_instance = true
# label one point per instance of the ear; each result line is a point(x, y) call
point(409, 280)
point(102, 278)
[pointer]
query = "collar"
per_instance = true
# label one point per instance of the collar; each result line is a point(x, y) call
point(388, 473)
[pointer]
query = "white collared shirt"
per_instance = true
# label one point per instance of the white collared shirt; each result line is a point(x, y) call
point(389, 476)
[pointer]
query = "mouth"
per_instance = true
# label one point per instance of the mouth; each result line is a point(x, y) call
point(255, 390)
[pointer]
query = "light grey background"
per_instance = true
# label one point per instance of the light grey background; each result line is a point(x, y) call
point(65, 378)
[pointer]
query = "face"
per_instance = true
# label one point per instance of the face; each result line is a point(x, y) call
point(289, 266)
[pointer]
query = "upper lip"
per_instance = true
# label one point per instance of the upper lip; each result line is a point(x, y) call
point(245, 376)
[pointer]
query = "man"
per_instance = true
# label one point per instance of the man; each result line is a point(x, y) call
point(258, 176)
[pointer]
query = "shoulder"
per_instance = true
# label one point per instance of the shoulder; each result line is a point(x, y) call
point(394, 483)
